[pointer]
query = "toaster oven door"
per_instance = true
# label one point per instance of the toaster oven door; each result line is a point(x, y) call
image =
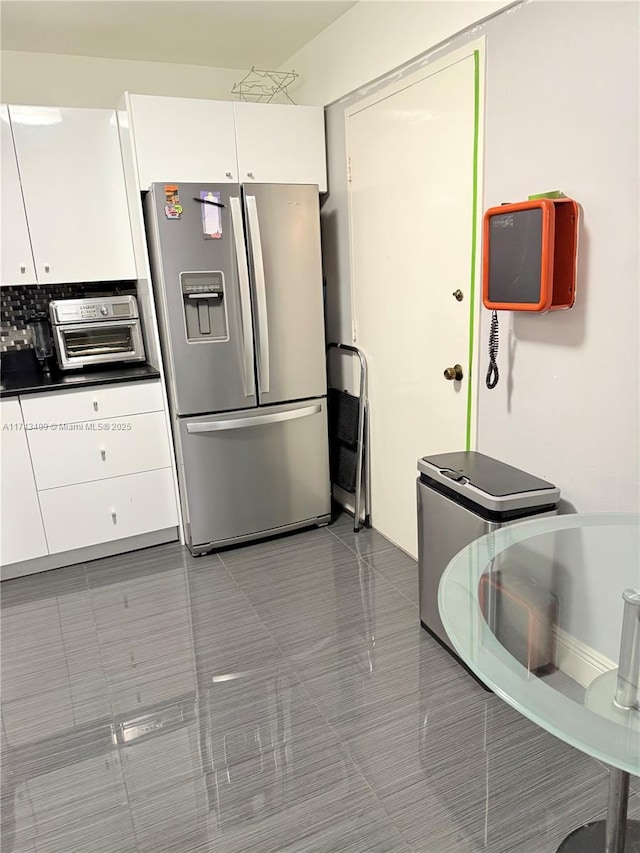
point(83, 344)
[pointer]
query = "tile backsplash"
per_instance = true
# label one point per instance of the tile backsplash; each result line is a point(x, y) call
point(18, 303)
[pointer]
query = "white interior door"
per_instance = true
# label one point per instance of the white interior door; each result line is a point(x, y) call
point(413, 152)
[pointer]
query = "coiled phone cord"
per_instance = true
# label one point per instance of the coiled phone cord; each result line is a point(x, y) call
point(492, 374)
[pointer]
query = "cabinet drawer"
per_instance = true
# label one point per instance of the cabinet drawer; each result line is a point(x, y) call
point(98, 403)
point(91, 513)
point(96, 450)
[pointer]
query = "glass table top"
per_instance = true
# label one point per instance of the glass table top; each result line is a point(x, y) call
point(535, 610)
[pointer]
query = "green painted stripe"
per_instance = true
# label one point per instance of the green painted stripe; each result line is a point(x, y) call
point(474, 226)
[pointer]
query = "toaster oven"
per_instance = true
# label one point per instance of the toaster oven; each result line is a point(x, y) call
point(96, 331)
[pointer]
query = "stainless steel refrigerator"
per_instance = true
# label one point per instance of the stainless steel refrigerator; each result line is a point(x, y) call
point(238, 282)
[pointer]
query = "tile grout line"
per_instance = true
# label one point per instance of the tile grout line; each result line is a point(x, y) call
point(395, 588)
point(377, 573)
point(366, 557)
point(390, 582)
point(391, 547)
point(336, 734)
point(373, 554)
point(118, 751)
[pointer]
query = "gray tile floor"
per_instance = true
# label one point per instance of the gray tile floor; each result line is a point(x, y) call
point(276, 697)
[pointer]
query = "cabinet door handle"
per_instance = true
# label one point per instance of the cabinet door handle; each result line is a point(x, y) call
point(229, 174)
point(114, 516)
point(23, 268)
point(95, 405)
point(47, 268)
point(103, 454)
point(250, 175)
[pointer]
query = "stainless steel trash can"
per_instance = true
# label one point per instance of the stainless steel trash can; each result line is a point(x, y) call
point(462, 496)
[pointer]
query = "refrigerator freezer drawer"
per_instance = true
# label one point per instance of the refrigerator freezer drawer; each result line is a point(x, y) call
point(248, 473)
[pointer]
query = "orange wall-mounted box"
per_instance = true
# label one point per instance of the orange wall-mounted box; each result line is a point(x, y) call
point(529, 255)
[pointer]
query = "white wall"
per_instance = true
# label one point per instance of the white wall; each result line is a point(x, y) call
point(566, 117)
point(374, 37)
point(370, 39)
point(561, 112)
point(87, 81)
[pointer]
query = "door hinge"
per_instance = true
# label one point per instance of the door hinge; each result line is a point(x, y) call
point(354, 332)
point(349, 174)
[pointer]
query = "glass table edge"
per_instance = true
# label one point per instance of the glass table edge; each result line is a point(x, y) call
point(536, 687)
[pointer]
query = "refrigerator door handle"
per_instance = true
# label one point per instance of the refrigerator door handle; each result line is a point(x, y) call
point(255, 420)
point(261, 293)
point(245, 296)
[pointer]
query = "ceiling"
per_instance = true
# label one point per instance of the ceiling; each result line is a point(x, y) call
point(217, 33)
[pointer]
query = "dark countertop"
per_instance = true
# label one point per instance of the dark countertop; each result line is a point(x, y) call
point(33, 381)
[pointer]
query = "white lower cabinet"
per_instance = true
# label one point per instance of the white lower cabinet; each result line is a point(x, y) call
point(97, 450)
point(92, 513)
point(87, 404)
point(84, 467)
point(22, 531)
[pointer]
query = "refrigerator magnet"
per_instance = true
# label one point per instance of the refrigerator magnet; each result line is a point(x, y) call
point(211, 215)
point(172, 206)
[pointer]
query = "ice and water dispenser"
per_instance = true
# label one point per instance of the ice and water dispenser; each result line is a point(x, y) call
point(205, 311)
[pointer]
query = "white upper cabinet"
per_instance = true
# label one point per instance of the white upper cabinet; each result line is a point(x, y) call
point(182, 139)
point(280, 144)
point(73, 186)
point(17, 260)
point(190, 140)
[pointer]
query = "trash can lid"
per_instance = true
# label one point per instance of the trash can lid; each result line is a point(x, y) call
point(486, 481)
